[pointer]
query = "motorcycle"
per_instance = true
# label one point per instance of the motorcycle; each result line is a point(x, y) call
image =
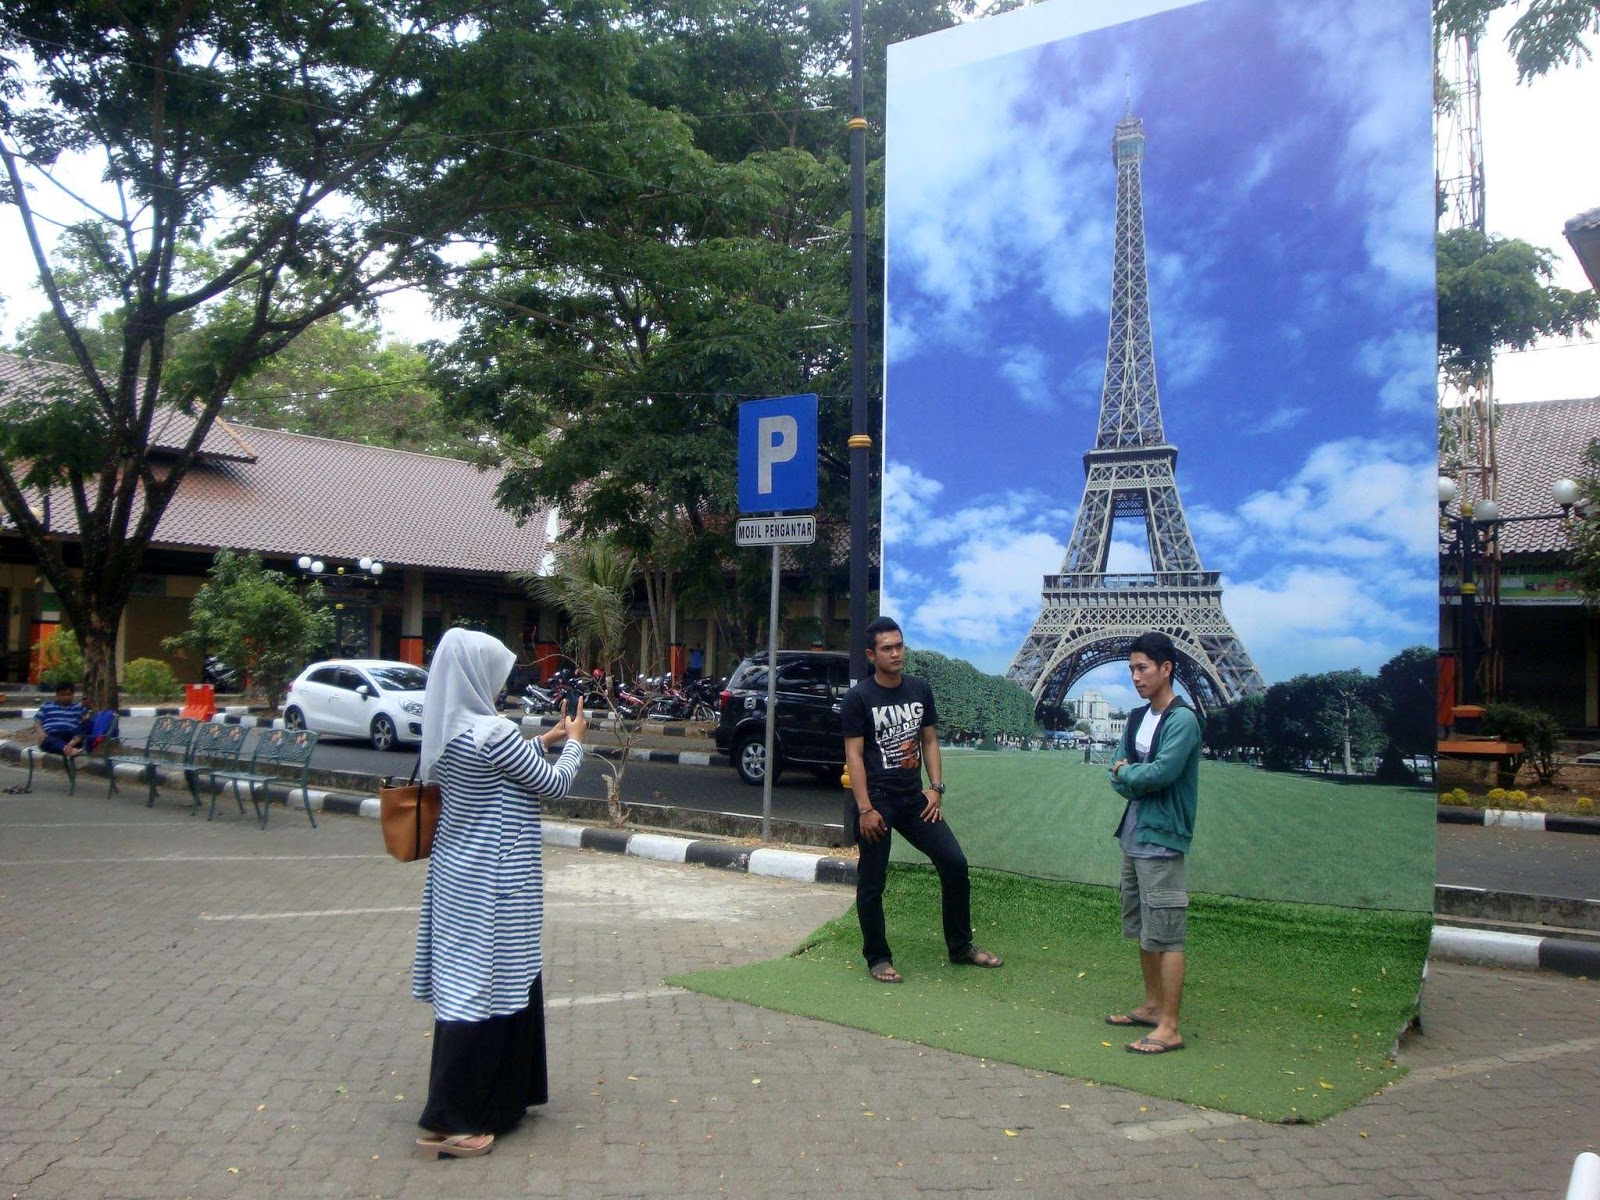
point(536, 700)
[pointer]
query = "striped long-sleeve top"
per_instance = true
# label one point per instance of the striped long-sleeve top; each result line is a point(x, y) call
point(479, 935)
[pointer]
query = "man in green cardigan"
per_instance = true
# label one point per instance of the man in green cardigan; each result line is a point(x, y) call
point(1158, 772)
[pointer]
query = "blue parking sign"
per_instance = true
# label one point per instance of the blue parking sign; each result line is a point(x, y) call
point(778, 454)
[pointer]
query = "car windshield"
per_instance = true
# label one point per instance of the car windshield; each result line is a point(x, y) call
point(400, 679)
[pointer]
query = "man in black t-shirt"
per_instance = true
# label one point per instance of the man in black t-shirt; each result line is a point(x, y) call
point(890, 732)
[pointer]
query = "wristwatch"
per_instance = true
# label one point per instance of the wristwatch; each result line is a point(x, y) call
point(938, 787)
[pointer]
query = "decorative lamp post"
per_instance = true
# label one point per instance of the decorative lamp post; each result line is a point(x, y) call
point(340, 581)
point(1470, 533)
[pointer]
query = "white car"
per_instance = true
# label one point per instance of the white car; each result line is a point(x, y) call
point(371, 698)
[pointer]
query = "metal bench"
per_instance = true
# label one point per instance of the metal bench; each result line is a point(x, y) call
point(216, 747)
point(278, 755)
point(101, 746)
point(167, 745)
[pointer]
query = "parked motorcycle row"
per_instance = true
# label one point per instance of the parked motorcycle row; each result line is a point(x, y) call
point(659, 699)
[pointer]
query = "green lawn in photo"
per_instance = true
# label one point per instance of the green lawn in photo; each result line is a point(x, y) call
point(1291, 1012)
point(1270, 835)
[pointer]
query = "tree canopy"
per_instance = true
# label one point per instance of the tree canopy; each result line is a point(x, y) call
point(1495, 293)
point(691, 255)
point(263, 168)
point(1548, 34)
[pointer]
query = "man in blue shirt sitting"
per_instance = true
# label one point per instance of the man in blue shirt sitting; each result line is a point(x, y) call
point(64, 723)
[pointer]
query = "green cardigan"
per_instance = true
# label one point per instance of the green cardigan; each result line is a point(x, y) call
point(1168, 786)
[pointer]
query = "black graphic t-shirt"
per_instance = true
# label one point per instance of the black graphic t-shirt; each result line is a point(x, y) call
point(890, 721)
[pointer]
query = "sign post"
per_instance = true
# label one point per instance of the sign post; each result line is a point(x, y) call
point(777, 474)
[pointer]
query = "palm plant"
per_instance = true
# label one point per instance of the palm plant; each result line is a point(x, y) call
point(590, 583)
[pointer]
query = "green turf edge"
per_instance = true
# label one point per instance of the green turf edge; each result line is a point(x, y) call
point(1291, 1012)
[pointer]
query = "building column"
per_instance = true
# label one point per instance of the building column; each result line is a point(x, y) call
point(411, 618)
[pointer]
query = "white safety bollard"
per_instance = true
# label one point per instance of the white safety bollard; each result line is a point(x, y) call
point(1585, 1181)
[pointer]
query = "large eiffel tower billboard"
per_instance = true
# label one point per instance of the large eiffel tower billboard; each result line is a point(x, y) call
point(1234, 440)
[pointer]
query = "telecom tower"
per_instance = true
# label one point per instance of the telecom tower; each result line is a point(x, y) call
point(1088, 616)
point(1467, 403)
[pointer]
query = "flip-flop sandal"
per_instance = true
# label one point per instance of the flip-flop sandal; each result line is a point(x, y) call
point(455, 1145)
point(884, 972)
point(1144, 1046)
point(975, 958)
point(1128, 1020)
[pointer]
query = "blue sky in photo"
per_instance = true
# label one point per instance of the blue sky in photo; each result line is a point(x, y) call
point(1288, 203)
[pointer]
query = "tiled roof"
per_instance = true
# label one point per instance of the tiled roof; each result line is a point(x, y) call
point(1536, 444)
point(290, 494)
point(343, 500)
point(170, 430)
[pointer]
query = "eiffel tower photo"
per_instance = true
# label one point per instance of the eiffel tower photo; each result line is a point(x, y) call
point(1089, 615)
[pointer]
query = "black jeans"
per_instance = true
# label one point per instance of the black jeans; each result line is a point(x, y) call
point(933, 838)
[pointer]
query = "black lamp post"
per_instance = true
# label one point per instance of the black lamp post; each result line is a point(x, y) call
point(1471, 533)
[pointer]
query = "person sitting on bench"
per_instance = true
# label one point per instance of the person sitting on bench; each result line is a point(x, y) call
point(64, 724)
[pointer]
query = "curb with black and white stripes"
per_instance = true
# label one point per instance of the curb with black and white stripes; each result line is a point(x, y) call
point(1448, 943)
point(1510, 818)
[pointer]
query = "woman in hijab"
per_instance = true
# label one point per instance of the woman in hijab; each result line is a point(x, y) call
point(479, 945)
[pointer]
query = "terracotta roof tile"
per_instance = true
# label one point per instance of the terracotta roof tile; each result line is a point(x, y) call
point(169, 431)
point(290, 494)
point(1537, 443)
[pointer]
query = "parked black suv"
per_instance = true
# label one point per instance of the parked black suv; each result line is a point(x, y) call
point(811, 683)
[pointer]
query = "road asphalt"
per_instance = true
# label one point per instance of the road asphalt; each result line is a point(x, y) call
point(209, 1010)
point(1499, 859)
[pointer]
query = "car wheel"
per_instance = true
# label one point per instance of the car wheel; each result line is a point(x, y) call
point(293, 718)
point(750, 760)
point(384, 734)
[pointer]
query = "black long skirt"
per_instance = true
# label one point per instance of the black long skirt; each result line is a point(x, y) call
point(486, 1074)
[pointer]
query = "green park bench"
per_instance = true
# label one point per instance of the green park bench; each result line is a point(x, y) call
point(216, 747)
point(166, 746)
point(280, 755)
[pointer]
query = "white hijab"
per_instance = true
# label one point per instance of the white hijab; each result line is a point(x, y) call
point(466, 675)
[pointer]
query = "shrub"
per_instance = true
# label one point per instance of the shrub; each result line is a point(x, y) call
point(1584, 804)
point(1498, 794)
point(150, 678)
point(1536, 729)
point(60, 659)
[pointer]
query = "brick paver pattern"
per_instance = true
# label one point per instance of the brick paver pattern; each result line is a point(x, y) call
point(209, 1010)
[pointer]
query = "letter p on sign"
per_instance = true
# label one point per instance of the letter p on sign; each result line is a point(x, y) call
point(777, 441)
point(778, 455)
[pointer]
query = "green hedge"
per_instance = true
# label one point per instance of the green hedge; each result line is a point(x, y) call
point(970, 701)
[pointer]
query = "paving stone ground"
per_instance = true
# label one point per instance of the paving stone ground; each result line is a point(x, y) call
point(208, 1010)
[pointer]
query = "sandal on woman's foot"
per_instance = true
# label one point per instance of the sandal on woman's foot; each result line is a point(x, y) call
point(884, 972)
point(458, 1145)
point(979, 958)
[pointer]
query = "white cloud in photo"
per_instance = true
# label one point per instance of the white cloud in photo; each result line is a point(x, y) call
point(1276, 420)
point(991, 595)
point(1027, 370)
point(1404, 364)
point(1375, 57)
point(1314, 618)
point(900, 337)
point(991, 190)
point(1128, 556)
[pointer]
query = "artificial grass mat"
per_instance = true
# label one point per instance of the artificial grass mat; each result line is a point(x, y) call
point(1290, 1012)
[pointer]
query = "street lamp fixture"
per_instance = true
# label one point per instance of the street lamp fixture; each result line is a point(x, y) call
point(1470, 533)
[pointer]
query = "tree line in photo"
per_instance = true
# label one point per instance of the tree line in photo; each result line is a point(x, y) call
point(1344, 722)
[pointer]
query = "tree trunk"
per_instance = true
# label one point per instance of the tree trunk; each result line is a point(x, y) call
point(97, 637)
point(614, 810)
